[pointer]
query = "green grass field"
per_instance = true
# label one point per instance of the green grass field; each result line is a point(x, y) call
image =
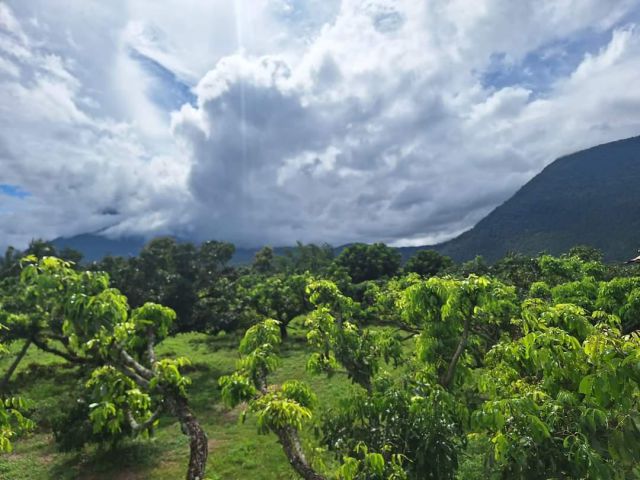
point(236, 451)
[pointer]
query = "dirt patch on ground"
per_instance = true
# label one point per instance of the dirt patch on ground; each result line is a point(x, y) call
point(126, 475)
point(47, 458)
point(15, 456)
point(214, 444)
point(231, 416)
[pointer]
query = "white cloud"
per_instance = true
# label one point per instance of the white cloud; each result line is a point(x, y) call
point(84, 171)
point(315, 121)
point(423, 148)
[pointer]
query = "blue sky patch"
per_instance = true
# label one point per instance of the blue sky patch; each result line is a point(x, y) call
point(168, 92)
point(541, 68)
point(13, 191)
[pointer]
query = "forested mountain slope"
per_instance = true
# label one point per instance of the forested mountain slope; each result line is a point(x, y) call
point(590, 197)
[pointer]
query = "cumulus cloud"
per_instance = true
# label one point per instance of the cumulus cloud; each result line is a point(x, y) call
point(277, 120)
point(84, 171)
point(384, 130)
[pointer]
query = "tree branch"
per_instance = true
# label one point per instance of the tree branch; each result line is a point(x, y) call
point(132, 363)
point(143, 382)
point(403, 327)
point(140, 427)
point(14, 365)
point(70, 357)
point(445, 381)
point(290, 441)
point(409, 337)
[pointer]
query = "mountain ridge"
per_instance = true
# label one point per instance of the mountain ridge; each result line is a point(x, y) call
point(588, 197)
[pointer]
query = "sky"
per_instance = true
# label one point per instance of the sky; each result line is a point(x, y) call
point(276, 121)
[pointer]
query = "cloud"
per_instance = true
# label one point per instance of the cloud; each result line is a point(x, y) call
point(75, 162)
point(273, 121)
point(384, 130)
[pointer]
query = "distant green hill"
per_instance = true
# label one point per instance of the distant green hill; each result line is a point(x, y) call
point(590, 197)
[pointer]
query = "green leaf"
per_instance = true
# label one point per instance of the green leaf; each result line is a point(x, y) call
point(586, 385)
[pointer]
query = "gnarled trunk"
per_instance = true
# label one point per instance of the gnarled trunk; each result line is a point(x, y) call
point(290, 441)
point(198, 446)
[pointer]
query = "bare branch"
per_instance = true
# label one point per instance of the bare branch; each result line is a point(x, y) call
point(410, 336)
point(70, 357)
point(445, 381)
point(132, 363)
point(143, 382)
point(140, 427)
point(14, 365)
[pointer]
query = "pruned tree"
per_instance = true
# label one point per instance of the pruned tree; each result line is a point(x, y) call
point(457, 316)
point(339, 343)
point(80, 318)
point(281, 409)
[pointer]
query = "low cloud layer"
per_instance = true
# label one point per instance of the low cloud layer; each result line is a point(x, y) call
point(278, 120)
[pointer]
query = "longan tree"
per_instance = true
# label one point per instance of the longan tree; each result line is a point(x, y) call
point(80, 318)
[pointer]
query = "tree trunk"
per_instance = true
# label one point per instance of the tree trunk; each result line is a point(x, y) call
point(290, 441)
point(14, 365)
point(198, 446)
point(284, 334)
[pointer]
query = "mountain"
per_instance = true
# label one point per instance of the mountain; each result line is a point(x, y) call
point(94, 246)
point(591, 197)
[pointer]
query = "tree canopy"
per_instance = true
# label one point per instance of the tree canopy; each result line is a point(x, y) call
point(369, 262)
point(527, 368)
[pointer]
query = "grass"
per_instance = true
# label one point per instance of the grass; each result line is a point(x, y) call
point(236, 451)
